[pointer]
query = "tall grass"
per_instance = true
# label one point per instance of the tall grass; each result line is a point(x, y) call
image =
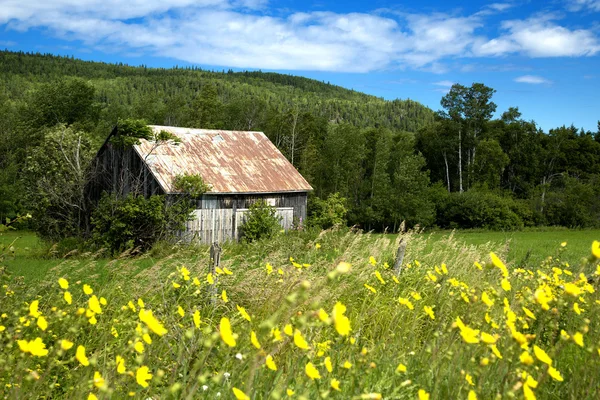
point(394, 349)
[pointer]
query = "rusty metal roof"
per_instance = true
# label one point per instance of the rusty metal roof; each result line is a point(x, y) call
point(230, 161)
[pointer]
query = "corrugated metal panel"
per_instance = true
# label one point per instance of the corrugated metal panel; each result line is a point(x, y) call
point(230, 161)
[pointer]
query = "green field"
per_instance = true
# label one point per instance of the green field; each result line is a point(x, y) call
point(307, 315)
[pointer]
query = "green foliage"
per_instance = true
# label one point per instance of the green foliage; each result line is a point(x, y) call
point(136, 222)
point(260, 222)
point(191, 185)
point(130, 131)
point(325, 213)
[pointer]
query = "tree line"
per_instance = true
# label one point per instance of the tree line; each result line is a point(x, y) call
point(389, 161)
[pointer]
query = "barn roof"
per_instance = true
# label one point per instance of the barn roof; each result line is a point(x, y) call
point(230, 161)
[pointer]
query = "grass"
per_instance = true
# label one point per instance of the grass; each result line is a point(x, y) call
point(297, 308)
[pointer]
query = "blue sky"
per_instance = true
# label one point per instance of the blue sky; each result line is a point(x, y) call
point(542, 56)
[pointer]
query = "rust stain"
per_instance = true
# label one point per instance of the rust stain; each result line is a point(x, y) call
point(230, 161)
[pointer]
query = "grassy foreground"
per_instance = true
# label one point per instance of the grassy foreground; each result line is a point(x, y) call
point(306, 316)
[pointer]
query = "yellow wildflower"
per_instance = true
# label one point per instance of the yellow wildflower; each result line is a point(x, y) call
point(99, 381)
point(288, 330)
point(311, 371)
point(555, 374)
point(180, 311)
point(226, 333)
point(42, 323)
point(416, 296)
point(63, 283)
point(499, 264)
point(151, 322)
point(120, 365)
point(505, 285)
point(300, 341)
point(526, 358)
point(578, 338)
point(323, 316)
point(576, 308)
point(596, 249)
point(429, 311)
point(406, 302)
point(335, 384)
point(139, 347)
point(94, 305)
point(423, 395)
point(529, 313)
point(469, 379)
point(176, 285)
point(81, 357)
point(401, 368)
point(328, 365)
point(147, 338)
point(92, 396)
point(254, 340)
point(541, 355)
point(65, 344)
point(341, 322)
point(347, 364)
point(343, 267)
point(528, 393)
point(472, 395)
point(239, 395)
point(209, 279)
point(33, 309)
point(496, 351)
point(371, 288)
point(87, 289)
point(372, 261)
point(224, 296)
point(270, 363)
point(379, 277)
point(68, 298)
point(487, 338)
point(196, 318)
point(243, 313)
point(142, 376)
point(486, 299)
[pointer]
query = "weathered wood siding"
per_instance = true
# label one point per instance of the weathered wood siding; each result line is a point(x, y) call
point(223, 224)
point(295, 200)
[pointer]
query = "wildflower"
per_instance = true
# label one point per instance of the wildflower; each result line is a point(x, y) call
point(87, 289)
point(431, 277)
point(572, 289)
point(99, 381)
point(196, 281)
point(311, 371)
point(472, 395)
point(103, 301)
point(487, 338)
point(596, 249)
point(341, 322)
point(371, 396)
point(528, 393)
point(406, 302)
point(33, 309)
point(269, 269)
point(343, 267)
point(120, 365)
point(289, 392)
point(576, 308)
point(416, 296)
point(469, 379)
point(139, 347)
point(529, 313)
point(526, 358)
point(68, 298)
point(196, 318)
point(288, 330)
point(226, 333)
point(180, 311)
point(113, 331)
point(371, 288)
point(499, 264)
point(94, 305)
point(423, 395)
point(151, 322)
point(578, 338)
point(81, 357)
point(270, 363)
point(486, 299)
point(142, 376)
point(444, 269)
point(65, 344)
point(401, 368)
point(92, 396)
point(209, 279)
point(244, 314)
point(63, 283)
point(372, 261)
point(239, 395)
point(176, 285)
point(328, 365)
point(347, 364)
point(300, 341)
point(505, 285)
point(379, 277)
point(36, 347)
point(317, 246)
point(254, 340)
point(42, 323)
point(429, 311)
point(323, 316)
point(478, 265)
point(555, 374)
point(224, 296)
point(335, 384)
point(496, 351)
point(147, 338)
point(276, 335)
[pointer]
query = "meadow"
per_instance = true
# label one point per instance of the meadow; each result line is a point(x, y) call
point(307, 315)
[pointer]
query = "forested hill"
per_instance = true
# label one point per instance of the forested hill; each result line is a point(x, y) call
point(166, 96)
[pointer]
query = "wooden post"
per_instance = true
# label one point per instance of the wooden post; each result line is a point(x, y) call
point(400, 257)
point(215, 256)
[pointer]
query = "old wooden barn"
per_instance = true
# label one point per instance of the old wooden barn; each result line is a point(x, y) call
point(241, 168)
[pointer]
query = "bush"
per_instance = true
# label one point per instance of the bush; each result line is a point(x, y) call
point(328, 212)
point(260, 222)
point(136, 222)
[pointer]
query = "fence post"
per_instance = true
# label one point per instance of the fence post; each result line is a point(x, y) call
point(215, 256)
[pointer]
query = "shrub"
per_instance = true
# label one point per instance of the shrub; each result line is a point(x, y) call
point(260, 222)
point(328, 212)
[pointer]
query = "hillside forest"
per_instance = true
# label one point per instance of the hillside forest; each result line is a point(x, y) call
point(466, 165)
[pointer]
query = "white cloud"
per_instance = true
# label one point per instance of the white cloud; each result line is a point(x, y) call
point(444, 83)
point(240, 33)
point(578, 5)
point(532, 79)
point(540, 37)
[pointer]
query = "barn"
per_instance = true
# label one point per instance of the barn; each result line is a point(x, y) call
point(241, 167)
